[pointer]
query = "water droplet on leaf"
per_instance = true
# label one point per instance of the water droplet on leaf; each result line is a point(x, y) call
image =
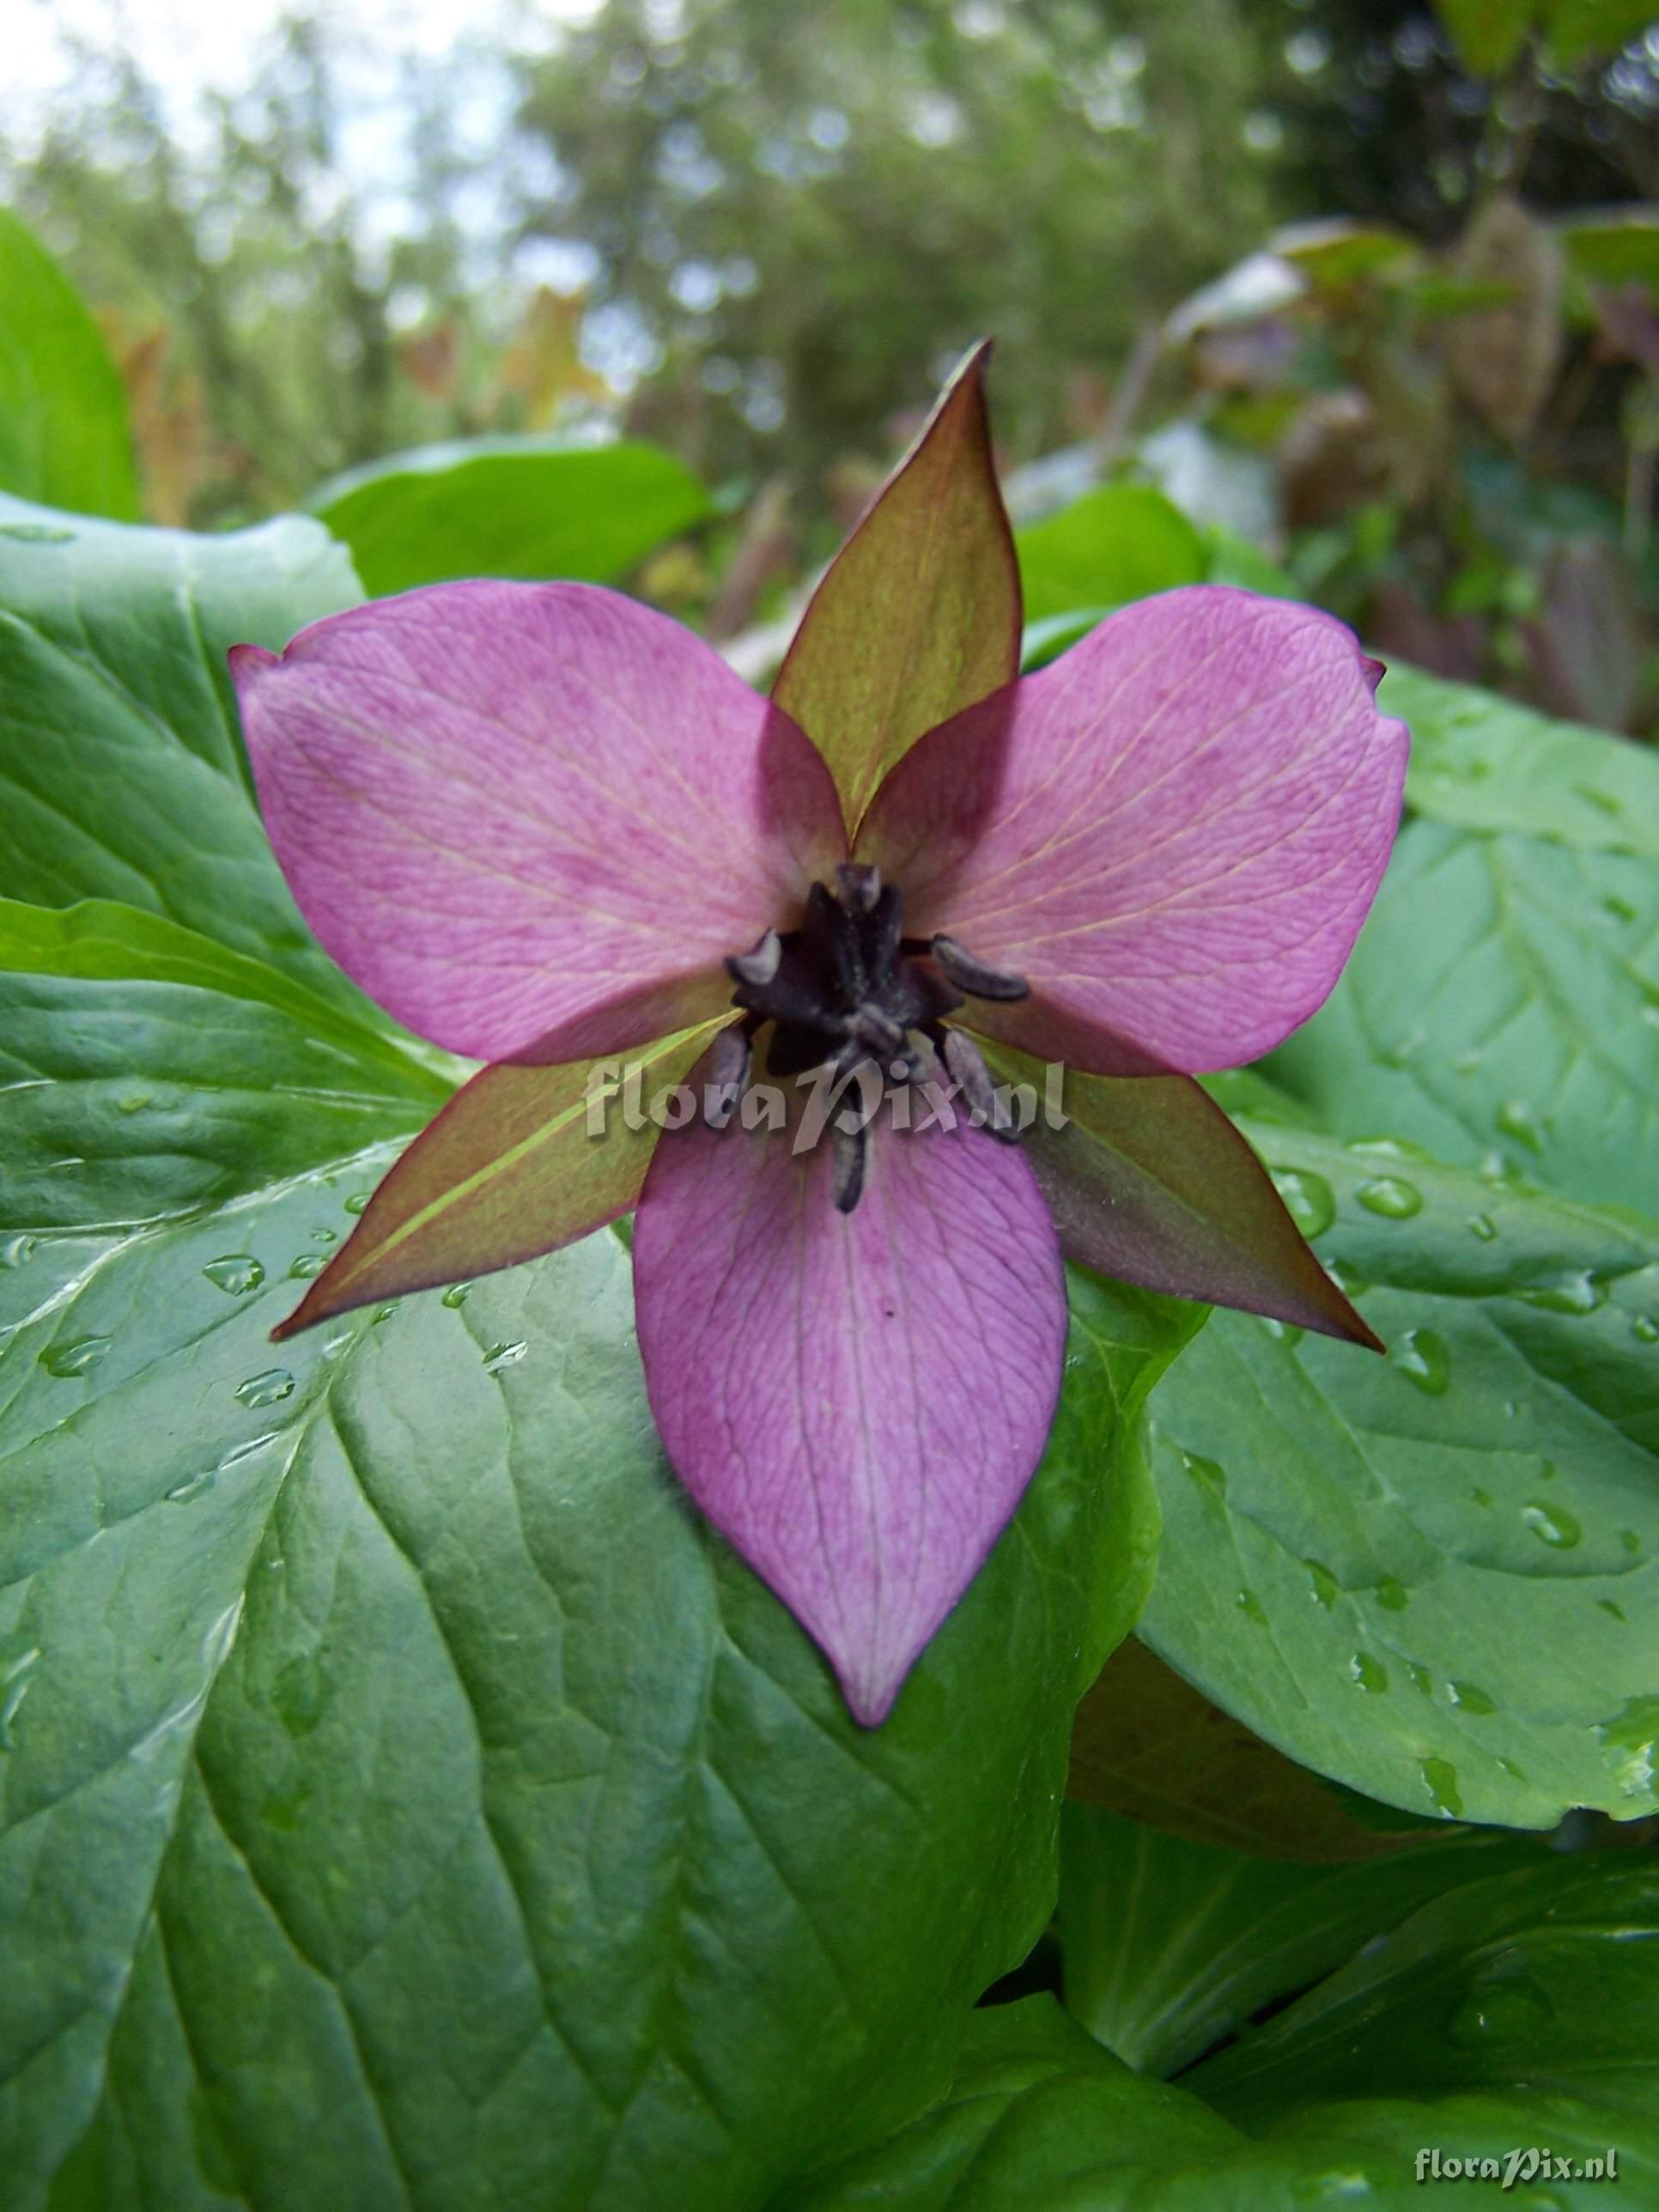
point(1440, 1780)
point(1323, 1584)
point(307, 1264)
point(1424, 1358)
point(1483, 1226)
point(1391, 1596)
point(1509, 2008)
point(16, 1249)
point(1470, 1698)
point(325, 1237)
point(192, 1487)
point(267, 1389)
point(67, 1359)
point(1251, 1607)
point(357, 1201)
point(1421, 1680)
point(1284, 1333)
point(1391, 1196)
point(1553, 1525)
point(238, 1272)
point(1366, 1669)
point(1574, 1290)
point(503, 1355)
point(456, 1295)
point(1308, 1199)
point(1645, 1329)
point(1516, 1118)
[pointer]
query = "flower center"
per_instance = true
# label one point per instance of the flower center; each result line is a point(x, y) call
point(849, 990)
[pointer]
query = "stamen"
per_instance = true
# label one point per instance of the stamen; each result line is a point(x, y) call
point(846, 1183)
point(967, 1065)
point(873, 1026)
point(972, 975)
point(729, 1063)
point(757, 967)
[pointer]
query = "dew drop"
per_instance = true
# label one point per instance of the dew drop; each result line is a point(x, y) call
point(1645, 1328)
point(384, 1312)
point(1607, 1605)
point(1205, 1474)
point(1553, 1525)
point(192, 1487)
point(1284, 1333)
point(1421, 1680)
point(16, 1249)
point(1424, 1359)
point(36, 533)
point(1630, 1540)
point(357, 1201)
point(1619, 909)
point(1391, 1596)
point(239, 1273)
point(1516, 1118)
point(1483, 1226)
point(1512, 2009)
point(237, 1452)
point(1369, 1672)
point(1390, 1196)
point(1251, 1607)
point(1628, 1743)
point(1348, 1280)
point(304, 1265)
point(1308, 1199)
point(1481, 1496)
point(456, 1295)
point(1466, 1062)
point(1323, 1584)
point(503, 1355)
point(1574, 1290)
point(1469, 1698)
point(267, 1389)
point(1440, 1780)
point(66, 1360)
point(1510, 1768)
point(325, 1237)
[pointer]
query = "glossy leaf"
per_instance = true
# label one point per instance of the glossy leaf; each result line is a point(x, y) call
point(1484, 762)
point(1543, 1980)
point(398, 1686)
point(1428, 1576)
point(1502, 1008)
point(64, 434)
point(1147, 1746)
point(1149, 1183)
point(1170, 1946)
point(121, 770)
point(145, 1070)
point(528, 508)
point(1124, 541)
point(519, 1162)
point(918, 616)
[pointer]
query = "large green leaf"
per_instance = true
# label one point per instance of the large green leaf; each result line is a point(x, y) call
point(1484, 763)
point(402, 1792)
point(530, 507)
point(1515, 2011)
point(1543, 1980)
point(1502, 1008)
point(1122, 542)
point(63, 435)
point(1170, 1946)
point(1429, 1577)
point(145, 1070)
point(1582, 31)
point(1489, 33)
point(121, 768)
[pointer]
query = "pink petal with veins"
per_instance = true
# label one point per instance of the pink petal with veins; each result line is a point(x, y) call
point(1174, 832)
point(519, 815)
point(856, 1400)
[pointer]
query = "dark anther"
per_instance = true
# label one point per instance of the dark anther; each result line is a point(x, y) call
point(966, 1063)
point(759, 966)
point(847, 1185)
point(857, 888)
point(969, 975)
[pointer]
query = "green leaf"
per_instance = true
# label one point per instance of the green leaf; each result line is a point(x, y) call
point(1336, 253)
point(530, 507)
point(1428, 1576)
point(145, 1070)
point(1539, 1986)
point(400, 1780)
point(1502, 1008)
point(1035, 2104)
point(121, 770)
point(1146, 1744)
point(1483, 762)
point(1618, 248)
point(1169, 1945)
point(63, 435)
point(1489, 33)
point(918, 616)
point(1580, 31)
point(1122, 542)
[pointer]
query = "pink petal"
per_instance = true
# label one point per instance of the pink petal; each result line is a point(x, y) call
point(531, 819)
point(1174, 831)
point(856, 1400)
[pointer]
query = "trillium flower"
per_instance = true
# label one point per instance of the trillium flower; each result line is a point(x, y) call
point(549, 829)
